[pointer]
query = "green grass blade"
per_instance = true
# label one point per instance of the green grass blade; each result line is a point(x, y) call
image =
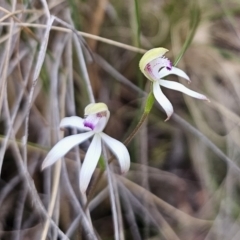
point(195, 20)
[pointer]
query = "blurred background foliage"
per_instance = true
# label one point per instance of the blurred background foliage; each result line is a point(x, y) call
point(184, 179)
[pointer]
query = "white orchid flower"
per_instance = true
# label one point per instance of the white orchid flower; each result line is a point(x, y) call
point(155, 66)
point(96, 118)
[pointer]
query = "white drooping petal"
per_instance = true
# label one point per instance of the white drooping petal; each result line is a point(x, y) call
point(175, 71)
point(90, 162)
point(63, 146)
point(119, 150)
point(162, 99)
point(181, 88)
point(74, 122)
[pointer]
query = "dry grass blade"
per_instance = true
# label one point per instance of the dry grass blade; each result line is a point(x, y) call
point(37, 69)
point(112, 196)
point(83, 34)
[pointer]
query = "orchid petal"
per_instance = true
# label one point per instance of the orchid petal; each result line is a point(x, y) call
point(151, 55)
point(102, 123)
point(90, 162)
point(181, 88)
point(119, 150)
point(97, 122)
point(175, 71)
point(151, 70)
point(162, 99)
point(91, 121)
point(74, 122)
point(63, 146)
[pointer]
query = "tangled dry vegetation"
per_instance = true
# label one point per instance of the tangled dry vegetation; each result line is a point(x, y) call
point(185, 173)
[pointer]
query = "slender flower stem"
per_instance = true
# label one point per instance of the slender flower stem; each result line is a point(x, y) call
point(148, 106)
point(136, 129)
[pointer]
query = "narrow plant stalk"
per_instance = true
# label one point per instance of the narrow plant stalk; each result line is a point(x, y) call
point(112, 197)
point(83, 68)
point(81, 60)
point(195, 20)
point(57, 171)
point(45, 5)
point(40, 60)
point(143, 160)
point(136, 129)
point(84, 34)
point(119, 211)
point(3, 81)
point(130, 215)
point(84, 203)
point(148, 106)
point(6, 60)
